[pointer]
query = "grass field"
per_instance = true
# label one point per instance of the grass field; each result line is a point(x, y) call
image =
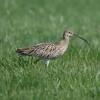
point(75, 75)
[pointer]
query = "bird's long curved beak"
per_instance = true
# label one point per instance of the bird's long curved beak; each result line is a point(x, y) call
point(75, 34)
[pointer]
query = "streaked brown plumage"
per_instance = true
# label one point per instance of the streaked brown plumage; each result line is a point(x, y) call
point(44, 50)
point(47, 51)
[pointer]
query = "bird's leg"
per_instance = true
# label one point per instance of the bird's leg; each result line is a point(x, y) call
point(37, 60)
point(47, 62)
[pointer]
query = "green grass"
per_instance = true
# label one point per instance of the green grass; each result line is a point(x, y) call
point(75, 75)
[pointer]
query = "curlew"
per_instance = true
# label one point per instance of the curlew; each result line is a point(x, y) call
point(49, 51)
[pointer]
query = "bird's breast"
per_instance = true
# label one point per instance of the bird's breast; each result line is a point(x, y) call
point(62, 50)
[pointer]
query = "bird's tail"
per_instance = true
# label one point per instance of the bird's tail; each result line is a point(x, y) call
point(24, 51)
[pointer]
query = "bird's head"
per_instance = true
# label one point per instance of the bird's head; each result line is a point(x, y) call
point(67, 34)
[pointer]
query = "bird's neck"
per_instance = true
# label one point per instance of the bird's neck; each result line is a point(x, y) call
point(64, 42)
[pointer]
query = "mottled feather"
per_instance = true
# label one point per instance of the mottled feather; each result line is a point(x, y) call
point(47, 51)
point(43, 50)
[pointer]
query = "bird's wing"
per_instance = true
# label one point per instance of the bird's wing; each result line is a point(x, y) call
point(44, 50)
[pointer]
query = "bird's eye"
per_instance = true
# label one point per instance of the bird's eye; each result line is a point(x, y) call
point(70, 32)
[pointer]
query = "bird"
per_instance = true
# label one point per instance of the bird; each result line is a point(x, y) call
point(49, 51)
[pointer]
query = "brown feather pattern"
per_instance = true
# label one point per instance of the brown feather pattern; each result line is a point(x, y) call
point(46, 50)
